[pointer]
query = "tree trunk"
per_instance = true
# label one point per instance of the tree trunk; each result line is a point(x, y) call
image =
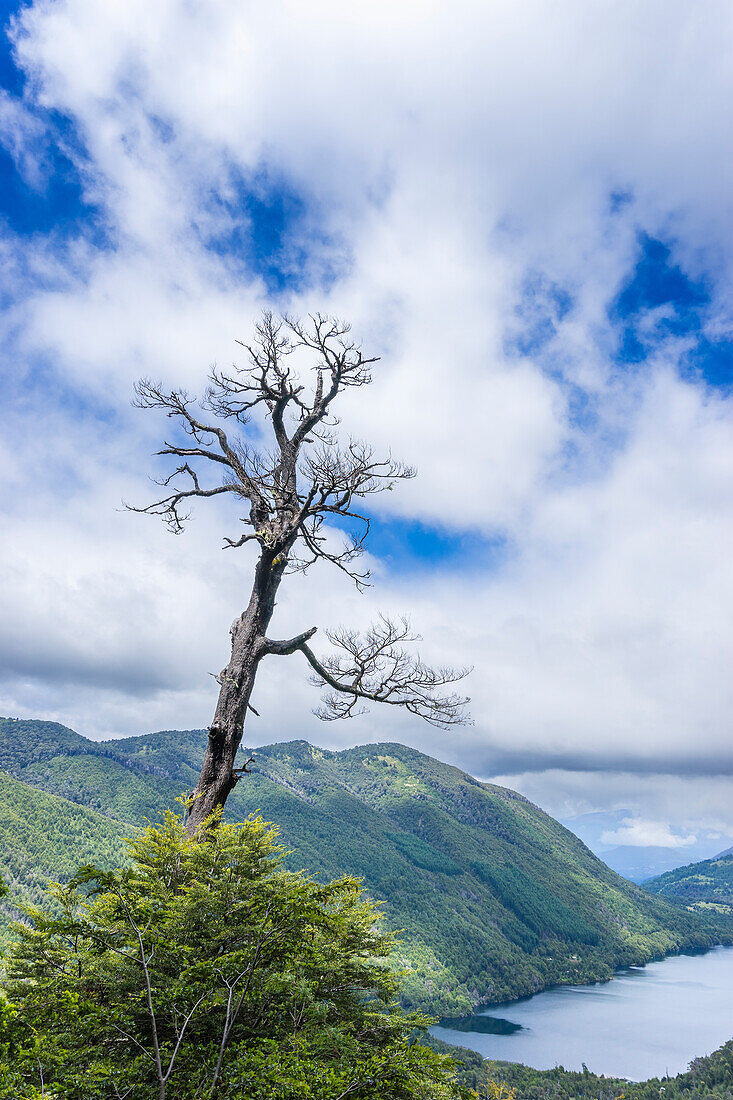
point(217, 777)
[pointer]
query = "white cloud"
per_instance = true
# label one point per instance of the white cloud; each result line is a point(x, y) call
point(638, 833)
point(593, 801)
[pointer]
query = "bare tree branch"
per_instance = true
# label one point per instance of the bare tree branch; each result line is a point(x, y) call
point(375, 666)
point(308, 477)
point(285, 648)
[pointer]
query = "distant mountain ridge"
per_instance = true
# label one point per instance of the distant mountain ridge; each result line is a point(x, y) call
point(496, 898)
point(637, 862)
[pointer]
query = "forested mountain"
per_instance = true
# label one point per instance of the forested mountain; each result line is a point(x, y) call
point(496, 899)
point(44, 838)
point(703, 886)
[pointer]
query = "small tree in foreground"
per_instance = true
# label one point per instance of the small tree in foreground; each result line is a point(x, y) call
point(294, 493)
point(206, 970)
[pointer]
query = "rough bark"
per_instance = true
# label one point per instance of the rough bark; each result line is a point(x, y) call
point(218, 776)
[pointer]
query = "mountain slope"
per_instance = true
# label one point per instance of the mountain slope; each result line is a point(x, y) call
point(44, 838)
point(496, 899)
point(707, 885)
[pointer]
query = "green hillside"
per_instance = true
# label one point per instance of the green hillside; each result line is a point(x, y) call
point(706, 886)
point(44, 838)
point(707, 1078)
point(495, 898)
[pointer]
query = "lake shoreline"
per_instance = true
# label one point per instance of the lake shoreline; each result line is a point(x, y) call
point(653, 1018)
point(684, 951)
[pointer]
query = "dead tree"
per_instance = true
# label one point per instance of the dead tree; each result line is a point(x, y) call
point(292, 494)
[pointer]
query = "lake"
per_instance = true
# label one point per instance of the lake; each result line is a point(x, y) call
point(646, 1022)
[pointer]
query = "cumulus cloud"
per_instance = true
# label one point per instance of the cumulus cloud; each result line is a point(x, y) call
point(638, 833)
point(474, 185)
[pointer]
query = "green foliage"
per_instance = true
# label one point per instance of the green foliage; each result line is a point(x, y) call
point(494, 899)
point(44, 838)
point(535, 906)
point(705, 886)
point(707, 1078)
point(30, 740)
point(424, 855)
point(207, 969)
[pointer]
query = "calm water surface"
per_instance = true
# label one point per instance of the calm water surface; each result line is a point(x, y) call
point(646, 1022)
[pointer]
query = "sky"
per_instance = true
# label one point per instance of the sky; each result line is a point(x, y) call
point(523, 208)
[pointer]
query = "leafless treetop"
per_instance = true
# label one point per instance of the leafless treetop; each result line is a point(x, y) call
point(308, 476)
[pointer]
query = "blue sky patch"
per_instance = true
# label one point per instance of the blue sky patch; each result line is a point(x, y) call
point(660, 301)
point(11, 77)
point(57, 206)
point(55, 202)
point(274, 233)
point(407, 546)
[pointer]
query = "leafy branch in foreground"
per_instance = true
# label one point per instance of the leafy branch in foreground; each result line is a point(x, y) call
point(206, 970)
